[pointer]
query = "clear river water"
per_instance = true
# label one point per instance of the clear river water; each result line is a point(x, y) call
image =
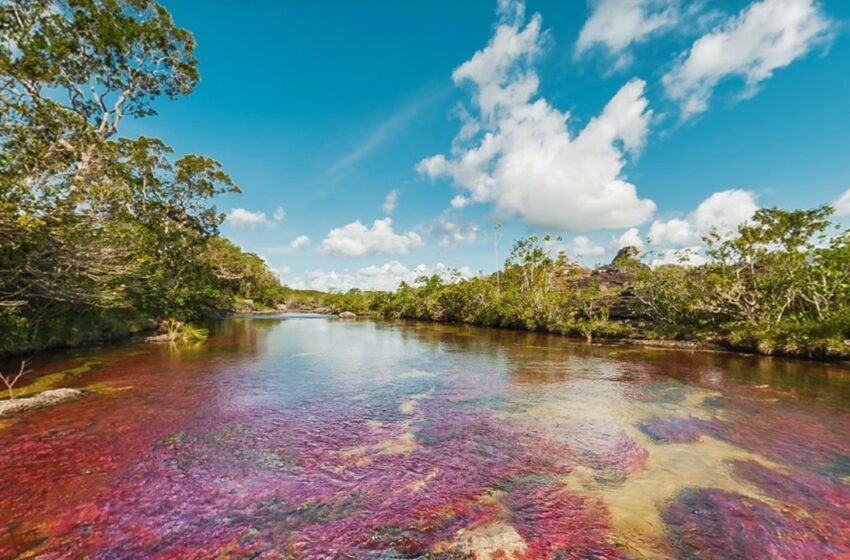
point(311, 437)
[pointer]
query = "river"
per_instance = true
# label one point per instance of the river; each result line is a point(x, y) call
point(311, 437)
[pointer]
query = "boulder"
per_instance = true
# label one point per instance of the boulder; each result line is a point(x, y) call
point(347, 315)
point(282, 307)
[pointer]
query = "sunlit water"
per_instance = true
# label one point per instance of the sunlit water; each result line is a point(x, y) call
point(297, 437)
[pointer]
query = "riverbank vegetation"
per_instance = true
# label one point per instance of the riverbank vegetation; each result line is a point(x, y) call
point(780, 284)
point(102, 234)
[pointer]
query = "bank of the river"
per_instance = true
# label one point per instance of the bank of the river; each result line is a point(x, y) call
point(617, 331)
point(826, 350)
point(814, 351)
point(110, 333)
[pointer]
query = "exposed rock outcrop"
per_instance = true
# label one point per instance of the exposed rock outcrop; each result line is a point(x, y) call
point(347, 315)
point(307, 307)
point(45, 398)
point(617, 279)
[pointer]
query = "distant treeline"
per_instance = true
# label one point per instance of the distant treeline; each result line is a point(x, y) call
point(102, 234)
point(780, 284)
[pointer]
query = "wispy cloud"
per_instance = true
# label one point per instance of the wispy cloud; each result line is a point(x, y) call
point(386, 130)
point(390, 201)
point(764, 37)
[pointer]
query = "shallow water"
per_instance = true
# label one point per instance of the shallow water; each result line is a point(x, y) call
point(300, 437)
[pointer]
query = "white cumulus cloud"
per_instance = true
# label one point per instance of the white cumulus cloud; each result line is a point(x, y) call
point(725, 211)
point(279, 214)
point(630, 238)
point(459, 201)
point(242, 218)
point(618, 24)
point(582, 246)
point(357, 240)
point(300, 243)
point(673, 232)
point(524, 160)
point(722, 212)
point(385, 277)
point(763, 37)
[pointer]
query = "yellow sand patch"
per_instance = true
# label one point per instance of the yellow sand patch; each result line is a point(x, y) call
point(349, 452)
point(635, 504)
point(106, 388)
point(420, 484)
point(401, 445)
point(364, 454)
point(409, 406)
point(490, 497)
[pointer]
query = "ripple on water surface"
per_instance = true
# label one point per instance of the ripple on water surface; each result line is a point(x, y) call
point(296, 437)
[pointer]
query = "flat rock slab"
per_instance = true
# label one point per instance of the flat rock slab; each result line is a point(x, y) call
point(158, 338)
point(45, 398)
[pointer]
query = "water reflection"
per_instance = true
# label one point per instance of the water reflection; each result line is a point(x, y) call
point(302, 437)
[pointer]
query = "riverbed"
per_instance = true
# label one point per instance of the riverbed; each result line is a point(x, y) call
point(299, 436)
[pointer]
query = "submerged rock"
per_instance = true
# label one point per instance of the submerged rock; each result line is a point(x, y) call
point(45, 398)
point(673, 430)
point(347, 315)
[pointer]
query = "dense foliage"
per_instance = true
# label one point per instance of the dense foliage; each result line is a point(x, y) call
point(101, 234)
point(780, 284)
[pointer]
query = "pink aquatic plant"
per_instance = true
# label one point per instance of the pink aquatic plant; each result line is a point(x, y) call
point(824, 503)
point(718, 525)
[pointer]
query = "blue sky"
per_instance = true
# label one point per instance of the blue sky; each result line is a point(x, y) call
point(603, 122)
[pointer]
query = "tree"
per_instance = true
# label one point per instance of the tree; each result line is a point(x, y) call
point(10, 380)
point(92, 223)
point(761, 273)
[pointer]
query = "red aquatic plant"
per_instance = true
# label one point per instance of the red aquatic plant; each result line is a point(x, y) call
point(556, 523)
